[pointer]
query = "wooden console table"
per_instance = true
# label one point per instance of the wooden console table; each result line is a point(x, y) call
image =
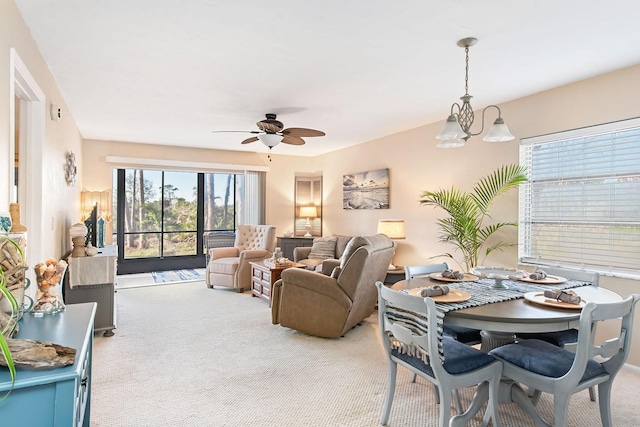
point(53, 397)
point(93, 279)
point(263, 278)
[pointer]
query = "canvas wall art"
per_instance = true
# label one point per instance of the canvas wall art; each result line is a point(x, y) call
point(366, 190)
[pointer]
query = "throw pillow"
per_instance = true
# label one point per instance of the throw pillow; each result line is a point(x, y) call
point(323, 248)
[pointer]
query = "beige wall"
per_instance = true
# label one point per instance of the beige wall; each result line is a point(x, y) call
point(59, 200)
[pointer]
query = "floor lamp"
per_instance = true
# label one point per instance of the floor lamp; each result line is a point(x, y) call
point(394, 229)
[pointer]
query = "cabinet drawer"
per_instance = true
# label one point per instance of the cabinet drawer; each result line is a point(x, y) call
point(81, 393)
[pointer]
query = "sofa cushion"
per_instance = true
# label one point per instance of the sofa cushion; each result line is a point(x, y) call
point(311, 263)
point(323, 248)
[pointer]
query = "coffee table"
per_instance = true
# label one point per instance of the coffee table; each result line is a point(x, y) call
point(263, 278)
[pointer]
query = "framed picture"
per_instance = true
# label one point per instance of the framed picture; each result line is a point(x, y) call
point(366, 190)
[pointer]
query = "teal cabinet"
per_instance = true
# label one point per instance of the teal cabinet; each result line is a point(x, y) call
point(58, 397)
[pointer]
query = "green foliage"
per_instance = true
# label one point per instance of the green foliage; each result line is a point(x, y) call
point(464, 227)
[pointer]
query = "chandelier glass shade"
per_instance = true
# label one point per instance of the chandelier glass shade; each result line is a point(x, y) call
point(457, 128)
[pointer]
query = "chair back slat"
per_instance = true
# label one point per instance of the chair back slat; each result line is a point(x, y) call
point(402, 324)
point(583, 276)
point(411, 271)
point(615, 349)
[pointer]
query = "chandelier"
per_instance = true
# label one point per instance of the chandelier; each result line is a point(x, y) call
point(457, 128)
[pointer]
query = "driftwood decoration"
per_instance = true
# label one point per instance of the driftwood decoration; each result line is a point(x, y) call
point(39, 354)
point(5, 318)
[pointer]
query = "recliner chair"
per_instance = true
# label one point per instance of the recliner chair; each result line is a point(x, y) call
point(329, 306)
point(230, 266)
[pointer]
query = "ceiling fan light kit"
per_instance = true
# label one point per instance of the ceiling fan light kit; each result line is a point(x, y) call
point(270, 139)
point(457, 128)
point(272, 133)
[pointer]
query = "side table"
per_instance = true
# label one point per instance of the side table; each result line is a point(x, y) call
point(394, 276)
point(263, 278)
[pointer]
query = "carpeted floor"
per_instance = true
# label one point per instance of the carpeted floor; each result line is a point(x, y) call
point(185, 355)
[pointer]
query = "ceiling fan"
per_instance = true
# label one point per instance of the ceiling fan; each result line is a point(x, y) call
point(272, 133)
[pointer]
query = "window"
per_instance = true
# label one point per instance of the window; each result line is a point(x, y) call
point(581, 205)
point(161, 214)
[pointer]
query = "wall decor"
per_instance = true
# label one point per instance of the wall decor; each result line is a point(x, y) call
point(70, 169)
point(366, 190)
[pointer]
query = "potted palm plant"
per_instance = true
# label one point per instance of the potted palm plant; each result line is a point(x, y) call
point(464, 226)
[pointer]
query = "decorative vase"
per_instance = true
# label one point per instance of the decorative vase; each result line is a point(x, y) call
point(12, 264)
point(77, 232)
point(49, 276)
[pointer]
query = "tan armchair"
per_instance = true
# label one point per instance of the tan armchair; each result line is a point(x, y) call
point(230, 266)
point(328, 306)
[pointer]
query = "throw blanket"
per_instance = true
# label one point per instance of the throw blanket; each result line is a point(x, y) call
point(481, 291)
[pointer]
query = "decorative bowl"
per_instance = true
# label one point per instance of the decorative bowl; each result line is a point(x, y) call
point(498, 274)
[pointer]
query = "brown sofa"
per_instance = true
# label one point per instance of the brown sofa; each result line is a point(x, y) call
point(328, 306)
point(305, 255)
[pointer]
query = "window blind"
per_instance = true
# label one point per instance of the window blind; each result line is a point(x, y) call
point(581, 205)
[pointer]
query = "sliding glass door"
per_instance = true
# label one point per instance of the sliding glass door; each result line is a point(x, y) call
point(161, 215)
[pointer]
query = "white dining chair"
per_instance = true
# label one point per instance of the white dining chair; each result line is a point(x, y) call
point(567, 338)
point(555, 370)
point(464, 335)
point(416, 348)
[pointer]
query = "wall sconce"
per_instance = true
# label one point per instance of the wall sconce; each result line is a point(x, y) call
point(308, 212)
point(394, 229)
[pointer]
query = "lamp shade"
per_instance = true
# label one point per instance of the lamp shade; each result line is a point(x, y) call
point(393, 228)
point(308, 212)
point(270, 139)
point(499, 132)
point(451, 130)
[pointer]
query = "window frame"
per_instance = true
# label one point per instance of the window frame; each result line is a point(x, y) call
point(531, 251)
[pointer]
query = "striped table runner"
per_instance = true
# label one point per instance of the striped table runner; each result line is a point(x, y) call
point(482, 292)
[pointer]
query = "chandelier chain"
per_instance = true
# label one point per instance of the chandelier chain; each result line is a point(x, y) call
point(466, 71)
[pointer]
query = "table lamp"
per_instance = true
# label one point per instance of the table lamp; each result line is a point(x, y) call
point(308, 212)
point(394, 229)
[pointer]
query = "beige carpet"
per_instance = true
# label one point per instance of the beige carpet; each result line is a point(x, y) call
point(185, 355)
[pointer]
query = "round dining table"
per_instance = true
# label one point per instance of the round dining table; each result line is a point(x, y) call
point(501, 321)
point(516, 315)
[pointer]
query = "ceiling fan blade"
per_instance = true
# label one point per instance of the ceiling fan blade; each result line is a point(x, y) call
point(302, 132)
point(250, 140)
point(293, 140)
point(239, 131)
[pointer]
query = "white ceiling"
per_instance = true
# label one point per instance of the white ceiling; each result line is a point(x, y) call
point(170, 72)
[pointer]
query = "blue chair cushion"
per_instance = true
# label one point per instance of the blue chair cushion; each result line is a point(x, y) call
point(462, 334)
point(560, 338)
point(458, 358)
point(544, 358)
